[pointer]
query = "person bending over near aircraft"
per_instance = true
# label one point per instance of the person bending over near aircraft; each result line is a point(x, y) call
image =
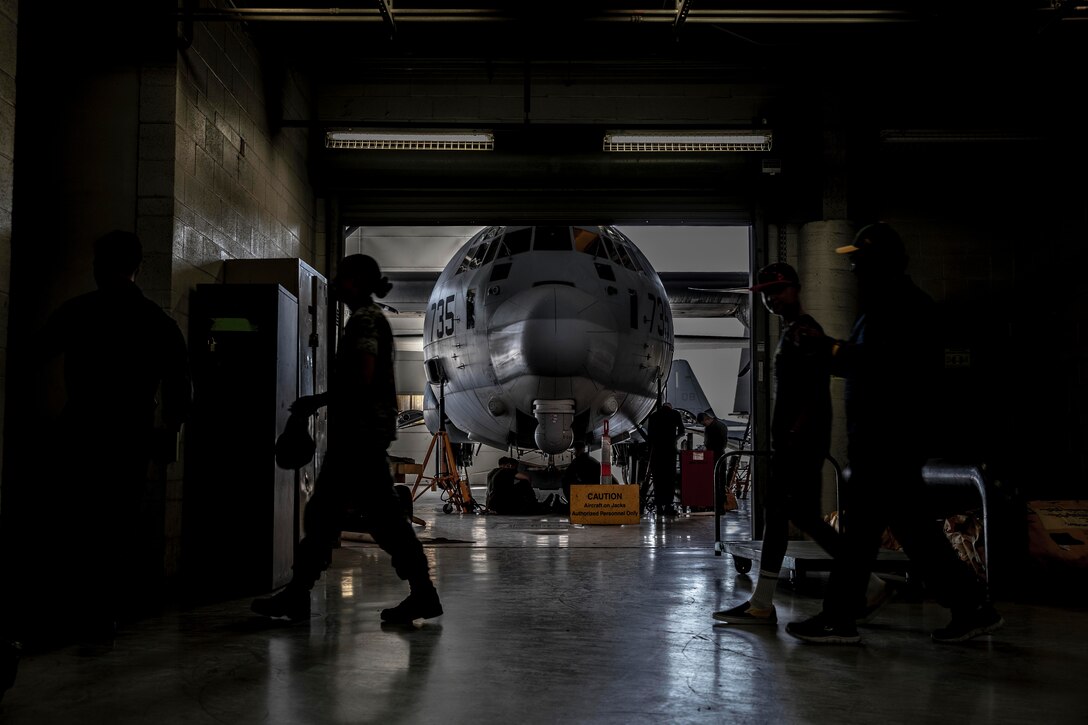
point(355, 472)
point(510, 491)
point(715, 434)
point(800, 442)
point(891, 364)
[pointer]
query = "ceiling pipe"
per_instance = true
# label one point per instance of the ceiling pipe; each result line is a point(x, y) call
point(640, 15)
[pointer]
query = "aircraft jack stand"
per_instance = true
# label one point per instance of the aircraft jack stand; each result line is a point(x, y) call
point(456, 494)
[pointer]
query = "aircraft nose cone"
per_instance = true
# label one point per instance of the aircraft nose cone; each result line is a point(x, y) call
point(553, 330)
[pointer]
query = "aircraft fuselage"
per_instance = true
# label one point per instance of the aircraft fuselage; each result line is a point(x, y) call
point(543, 333)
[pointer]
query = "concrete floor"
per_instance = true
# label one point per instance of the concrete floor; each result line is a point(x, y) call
point(552, 623)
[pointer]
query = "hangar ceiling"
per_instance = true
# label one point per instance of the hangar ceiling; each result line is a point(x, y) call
point(550, 78)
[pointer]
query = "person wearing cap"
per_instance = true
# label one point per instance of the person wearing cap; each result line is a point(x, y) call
point(355, 472)
point(891, 364)
point(800, 443)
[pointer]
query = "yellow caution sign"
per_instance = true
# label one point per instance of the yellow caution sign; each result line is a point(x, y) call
point(604, 504)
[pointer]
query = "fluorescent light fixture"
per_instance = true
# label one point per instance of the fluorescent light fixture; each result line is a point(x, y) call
point(411, 140)
point(687, 141)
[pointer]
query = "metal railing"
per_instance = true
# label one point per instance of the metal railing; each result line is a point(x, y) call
point(755, 516)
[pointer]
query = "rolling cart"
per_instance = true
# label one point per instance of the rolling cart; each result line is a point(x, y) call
point(802, 556)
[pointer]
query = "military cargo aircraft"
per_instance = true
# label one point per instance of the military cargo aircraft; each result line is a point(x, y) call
point(535, 336)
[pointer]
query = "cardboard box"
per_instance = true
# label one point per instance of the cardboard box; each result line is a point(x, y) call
point(604, 504)
point(402, 470)
point(1058, 533)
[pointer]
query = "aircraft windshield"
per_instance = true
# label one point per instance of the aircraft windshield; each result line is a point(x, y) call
point(552, 239)
point(587, 241)
point(475, 257)
point(612, 247)
point(518, 240)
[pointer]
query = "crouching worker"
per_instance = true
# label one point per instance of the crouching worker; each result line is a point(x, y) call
point(510, 492)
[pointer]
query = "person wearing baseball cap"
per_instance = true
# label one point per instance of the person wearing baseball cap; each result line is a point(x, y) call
point(776, 275)
point(800, 443)
point(877, 256)
point(891, 364)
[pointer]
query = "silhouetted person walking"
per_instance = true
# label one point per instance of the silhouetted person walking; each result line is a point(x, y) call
point(891, 365)
point(127, 393)
point(800, 443)
point(355, 473)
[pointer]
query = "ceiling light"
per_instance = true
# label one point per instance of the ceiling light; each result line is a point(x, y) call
point(687, 141)
point(411, 140)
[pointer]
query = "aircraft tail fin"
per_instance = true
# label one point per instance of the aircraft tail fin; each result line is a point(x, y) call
point(682, 389)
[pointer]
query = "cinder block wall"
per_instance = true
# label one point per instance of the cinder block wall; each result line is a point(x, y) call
point(240, 187)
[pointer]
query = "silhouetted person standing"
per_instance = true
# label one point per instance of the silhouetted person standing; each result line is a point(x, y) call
point(664, 426)
point(355, 473)
point(891, 365)
point(127, 393)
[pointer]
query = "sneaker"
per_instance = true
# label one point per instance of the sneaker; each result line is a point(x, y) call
point(983, 619)
point(747, 614)
point(874, 605)
point(289, 603)
point(415, 606)
point(821, 630)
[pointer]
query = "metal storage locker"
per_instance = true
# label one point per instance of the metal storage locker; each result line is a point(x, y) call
point(238, 508)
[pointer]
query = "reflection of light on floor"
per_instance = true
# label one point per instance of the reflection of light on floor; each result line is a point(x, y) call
point(561, 540)
point(347, 585)
point(280, 700)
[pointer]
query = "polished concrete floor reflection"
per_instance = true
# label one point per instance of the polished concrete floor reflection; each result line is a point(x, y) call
point(547, 622)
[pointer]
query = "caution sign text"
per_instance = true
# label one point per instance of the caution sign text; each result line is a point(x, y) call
point(604, 504)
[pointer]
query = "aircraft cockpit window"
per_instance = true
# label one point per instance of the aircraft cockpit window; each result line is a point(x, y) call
point(552, 239)
point(587, 241)
point(474, 258)
point(480, 254)
point(492, 250)
point(601, 247)
point(626, 258)
point(518, 240)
